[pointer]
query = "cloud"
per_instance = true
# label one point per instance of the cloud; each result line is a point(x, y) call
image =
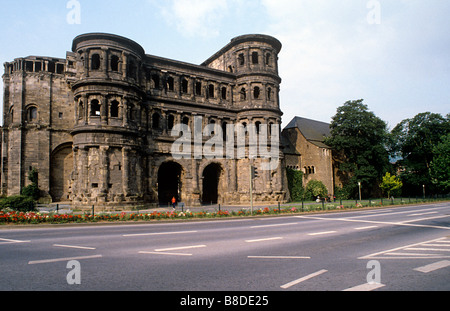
point(331, 54)
point(195, 17)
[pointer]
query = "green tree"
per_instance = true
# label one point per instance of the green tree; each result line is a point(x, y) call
point(360, 139)
point(440, 165)
point(390, 183)
point(314, 189)
point(413, 141)
point(32, 190)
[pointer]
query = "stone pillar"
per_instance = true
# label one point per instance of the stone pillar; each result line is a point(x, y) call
point(126, 170)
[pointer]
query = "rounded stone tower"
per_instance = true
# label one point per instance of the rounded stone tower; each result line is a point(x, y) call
point(107, 145)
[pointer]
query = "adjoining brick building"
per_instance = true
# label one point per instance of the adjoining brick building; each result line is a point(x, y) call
point(96, 124)
point(305, 151)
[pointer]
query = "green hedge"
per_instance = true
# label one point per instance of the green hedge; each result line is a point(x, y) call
point(18, 203)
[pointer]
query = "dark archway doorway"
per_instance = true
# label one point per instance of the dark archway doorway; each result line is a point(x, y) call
point(169, 182)
point(211, 181)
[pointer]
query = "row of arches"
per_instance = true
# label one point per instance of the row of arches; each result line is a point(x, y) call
point(170, 182)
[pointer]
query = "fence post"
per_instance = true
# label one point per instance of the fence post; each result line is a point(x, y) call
point(93, 210)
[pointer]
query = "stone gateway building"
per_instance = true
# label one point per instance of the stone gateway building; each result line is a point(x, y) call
point(97, 124)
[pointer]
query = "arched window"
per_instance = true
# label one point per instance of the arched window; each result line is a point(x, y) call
point(80, 110)
point(258, 127)
point(114, 109)
point(224, 93)
point(95, 65)
point(95, 108)
point(185, 120)
point(243, 94)
point(255, 58)
point(31, 114)
point(256, 92)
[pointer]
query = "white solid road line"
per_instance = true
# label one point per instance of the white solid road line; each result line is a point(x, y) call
point(159, 233)
point(62, 259)
point(310, 276)
point(433, 266)
point(279, 257)
point(179, 248)
point(74, 246)
point(275, 225)
point(262, 240)
point(364, 287)
point(321, 233)
point(161, 253)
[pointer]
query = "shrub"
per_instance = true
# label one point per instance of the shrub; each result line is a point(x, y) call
point(295, 184)
point(18, 203)
point(315, 188)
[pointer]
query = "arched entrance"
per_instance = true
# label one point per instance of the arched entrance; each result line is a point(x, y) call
point(211, 182)
point(61, 167)
point(169, 182)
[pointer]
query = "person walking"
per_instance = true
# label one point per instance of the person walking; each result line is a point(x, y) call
point(174, 201)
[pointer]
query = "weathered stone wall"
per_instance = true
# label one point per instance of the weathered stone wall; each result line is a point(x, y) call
point(98, 124)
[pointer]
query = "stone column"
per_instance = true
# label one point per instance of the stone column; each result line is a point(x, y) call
point(126, 170)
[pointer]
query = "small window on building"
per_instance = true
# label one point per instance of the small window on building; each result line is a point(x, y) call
point(59, 69)
point(170, 84)
point(94, 185)
point(29, 66)
point(95, 65)
point(95, 108)
point(170, 122)
point(186, 120)
point(269, 93)
point(184, 86)
point(243, 94)
point(224, 93)
point(31, 114)
point(155, 81)
point(51, 67)
point(256, 92)
point(241, 60)
point(114, 109)
point(211, 91)
point(198, 88)
point(37, 67)
point(114, 63)
point(268, 59)
point(60, 115)
point(255, 58)
point(155, 121)
point(258, 127)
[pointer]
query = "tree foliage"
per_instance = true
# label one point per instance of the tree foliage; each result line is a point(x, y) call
point(414, 141)
point(440, 165)
point(390, 183)
point(361, 138)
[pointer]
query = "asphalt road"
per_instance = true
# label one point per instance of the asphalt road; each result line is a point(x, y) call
point(399, 249)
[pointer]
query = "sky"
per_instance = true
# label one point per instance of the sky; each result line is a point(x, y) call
point(394, 54)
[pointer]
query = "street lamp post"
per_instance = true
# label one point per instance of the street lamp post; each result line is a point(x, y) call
point(359, 186)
